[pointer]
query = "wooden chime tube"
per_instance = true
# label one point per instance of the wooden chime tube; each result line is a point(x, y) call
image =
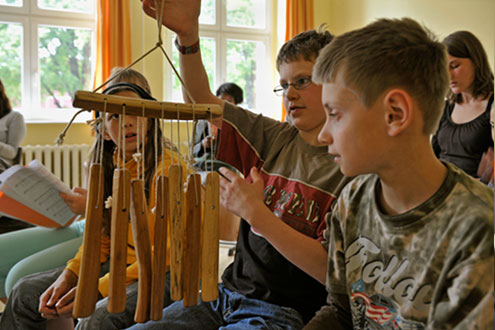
point(192, 240)
point(89, 273)
point(121, 201)
point(159, 267)
point(176, 201)
point(142, 243)
point(209, 246)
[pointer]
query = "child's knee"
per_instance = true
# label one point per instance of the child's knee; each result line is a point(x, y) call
point(94, 321)
point(25, 287)
point(25, 297)
point(102, 319)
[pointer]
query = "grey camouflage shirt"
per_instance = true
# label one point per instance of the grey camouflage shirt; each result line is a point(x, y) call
point(429, 268)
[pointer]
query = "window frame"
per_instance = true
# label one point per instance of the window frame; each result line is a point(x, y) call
point(30, 17)
point(221, 33)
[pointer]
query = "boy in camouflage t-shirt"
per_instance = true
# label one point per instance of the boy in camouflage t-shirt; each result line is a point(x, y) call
point(411, 245)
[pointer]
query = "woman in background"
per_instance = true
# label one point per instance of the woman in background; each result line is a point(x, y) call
point(12, 131)
point(464, 132)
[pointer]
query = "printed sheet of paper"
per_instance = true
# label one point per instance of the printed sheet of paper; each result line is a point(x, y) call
point(37, 188)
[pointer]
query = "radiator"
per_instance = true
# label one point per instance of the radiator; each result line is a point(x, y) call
point(66, 161)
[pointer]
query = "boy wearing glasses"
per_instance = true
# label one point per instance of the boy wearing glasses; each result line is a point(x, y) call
point(296, 184)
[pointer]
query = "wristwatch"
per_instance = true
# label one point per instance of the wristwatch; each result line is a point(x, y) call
point(185, 50)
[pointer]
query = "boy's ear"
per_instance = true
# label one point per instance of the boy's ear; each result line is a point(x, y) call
point(398, 111)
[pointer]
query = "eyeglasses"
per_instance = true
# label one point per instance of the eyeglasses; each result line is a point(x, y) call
point(299, 84)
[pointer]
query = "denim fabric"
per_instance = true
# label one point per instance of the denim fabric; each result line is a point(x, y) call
point(230, 311)
point(104, 320)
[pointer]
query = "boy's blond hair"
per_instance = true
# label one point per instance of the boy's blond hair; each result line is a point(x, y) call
point(305, 45)
point(386, 54)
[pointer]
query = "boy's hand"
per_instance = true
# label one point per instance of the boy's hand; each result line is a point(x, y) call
point(180, 16)
point(52, 296)
point(239, 196)
point(77, 200)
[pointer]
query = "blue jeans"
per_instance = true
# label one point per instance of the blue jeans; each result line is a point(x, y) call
point(230, 311)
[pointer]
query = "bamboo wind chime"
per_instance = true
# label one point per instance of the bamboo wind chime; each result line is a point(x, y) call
point(187, 211)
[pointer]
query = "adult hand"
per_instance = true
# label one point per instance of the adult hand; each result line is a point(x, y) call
point(180, 16)
point(59, 292)
point(239, 196)
point(76, 200)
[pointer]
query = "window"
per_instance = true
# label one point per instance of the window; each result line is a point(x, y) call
point(235, 37)
point(47, 53)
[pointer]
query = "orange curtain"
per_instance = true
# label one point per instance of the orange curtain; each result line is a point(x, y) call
point(113, 39)
point(299, 18)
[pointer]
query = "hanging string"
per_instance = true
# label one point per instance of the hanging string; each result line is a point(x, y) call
point(178, 143)
point(156, 144)
point(60, 140)
point(127, 67)
point(178, 131)
point(141, 122)
point(95, 159)
point(212, 143)
point(143, 139)
point(211, 157)
point(178, 75)
point(137, 156)
point(123, 135)
point(195, 123)
point(190, 155)
point(123, 152)
point(99, 152)
point(158, 19)
point(102, 135)
point(159, 45)
point(162, 141)
point(189, 149)
point(119, 143)
point(171, 141)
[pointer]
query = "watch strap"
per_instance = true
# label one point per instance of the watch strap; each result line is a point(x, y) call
point(185, 50)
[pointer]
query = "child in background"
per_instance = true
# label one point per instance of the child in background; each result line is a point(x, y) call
point(206, 137)
point(45, 298)
point(39, 249)
point(410, 241)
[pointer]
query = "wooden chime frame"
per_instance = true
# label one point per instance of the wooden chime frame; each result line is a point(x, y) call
point(194, 227)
